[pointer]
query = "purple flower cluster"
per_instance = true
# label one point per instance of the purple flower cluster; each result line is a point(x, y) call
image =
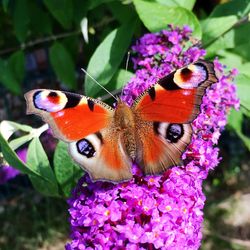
point(8, 172)
point(156, 212)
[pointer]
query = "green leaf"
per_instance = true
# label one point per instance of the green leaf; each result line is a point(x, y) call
point(7, 128)
point(243, 89)
point(37, 14)
point(63, 64)
point(235, 120)
point(12, 71)
point(62, 11)
point(16, 143)
point(107, 57)
point(222, 20)
point(120, 78)
point(232, 60)
point(21, 19)
point(214, 27)
point(243, 50)
point(240, 8)
point(187, 4)
point(80, 10)
point(122, 12)
point(38, 161)
point(13, 160)
point(95, 3)
point(16, 63)
point(5, 4)
point(156, 16)
point(233, 39)
point(7, 78)
point(66, 171)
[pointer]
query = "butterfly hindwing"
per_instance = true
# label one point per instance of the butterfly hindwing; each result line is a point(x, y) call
point(103, 156)
point(176, 98)
point(71, 116)
point(162, 145)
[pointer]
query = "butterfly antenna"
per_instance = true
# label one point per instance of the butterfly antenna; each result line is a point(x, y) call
point(127, 62)
point(98, 83)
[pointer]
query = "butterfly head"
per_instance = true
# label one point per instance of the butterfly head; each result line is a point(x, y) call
point(123, 115)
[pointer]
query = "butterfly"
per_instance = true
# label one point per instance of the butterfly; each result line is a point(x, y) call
point(154, 132)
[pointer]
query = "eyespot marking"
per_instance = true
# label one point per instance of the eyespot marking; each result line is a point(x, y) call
point(85, 148)
point(174, 132)
point(52, 94)
point(51, 101)
point(191, 76)
point(53, 97)
point(186, 74)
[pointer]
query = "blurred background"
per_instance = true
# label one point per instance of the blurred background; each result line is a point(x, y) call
point(45, 43)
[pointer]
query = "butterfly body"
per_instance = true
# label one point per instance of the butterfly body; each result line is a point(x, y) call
point(154, 132)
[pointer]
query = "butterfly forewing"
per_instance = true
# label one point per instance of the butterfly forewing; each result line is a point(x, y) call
point(71, 116)
point(176, 98)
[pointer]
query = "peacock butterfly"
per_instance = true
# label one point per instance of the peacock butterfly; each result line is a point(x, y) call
point(154, 132)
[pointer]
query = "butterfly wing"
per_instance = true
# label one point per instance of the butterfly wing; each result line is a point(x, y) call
point(71, 116)
point(168, 107)
point(84, 123)
point(161, 145)
point(102, 156)
point(176, 98)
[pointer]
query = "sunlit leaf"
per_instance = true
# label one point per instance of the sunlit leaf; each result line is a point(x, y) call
point(214, 27)
point(107, 57)
point(121, 78)
point(239, 8)
point(235, 120)
point(222, 20)
point(187, 4)
point(243, 89)
point(38, 161)
point(156, 16)
point(7, 128)
point(16, 143)
point(13, 160)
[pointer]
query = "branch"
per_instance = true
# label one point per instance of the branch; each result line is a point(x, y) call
point(39, 41)
point(102, 23)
